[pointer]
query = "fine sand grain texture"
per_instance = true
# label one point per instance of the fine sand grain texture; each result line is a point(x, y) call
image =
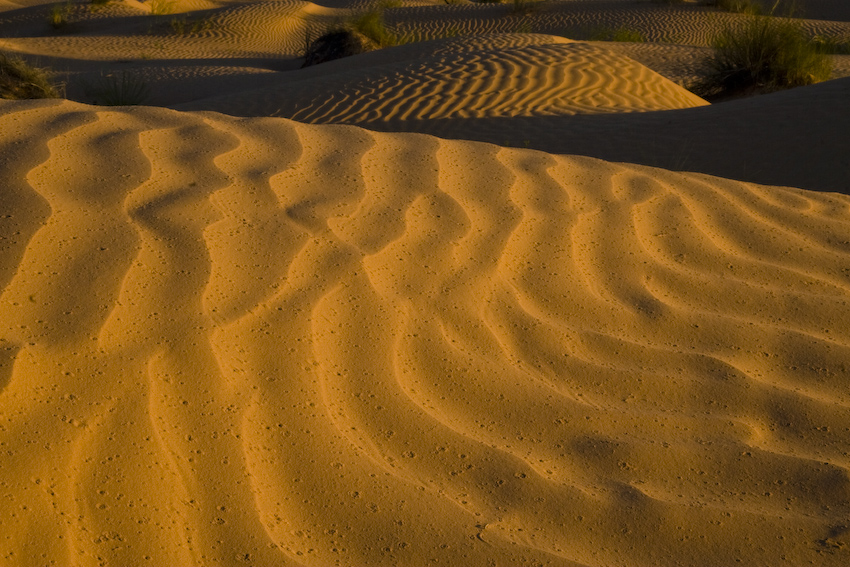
point(258, 342)
point(394, 310)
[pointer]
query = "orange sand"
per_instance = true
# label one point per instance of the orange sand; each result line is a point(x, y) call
point(255, 341)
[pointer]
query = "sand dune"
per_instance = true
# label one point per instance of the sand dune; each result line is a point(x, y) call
point(687, 65)
point(568, 98)
point(503, 75)
point(800, 136)
point(687, 24)
point(206, 49)
point(235, 46)
point(257, 341)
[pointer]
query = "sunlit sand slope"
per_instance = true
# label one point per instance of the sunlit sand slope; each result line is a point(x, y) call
point(261, 342)
point(500, 75)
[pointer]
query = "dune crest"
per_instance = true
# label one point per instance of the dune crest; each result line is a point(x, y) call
point(252, 340)
point(487, 76)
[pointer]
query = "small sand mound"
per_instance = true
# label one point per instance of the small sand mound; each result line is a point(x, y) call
point(480, 77)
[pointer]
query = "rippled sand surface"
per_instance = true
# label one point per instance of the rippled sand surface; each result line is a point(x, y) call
point(253, 341)
point(272, 320)
point(481, 77)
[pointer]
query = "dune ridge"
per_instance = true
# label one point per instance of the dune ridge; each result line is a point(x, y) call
point(656, 22)
point(276, 29)
point(258, 341)
point(715, 139)
point(202, 50)
point(501, 75)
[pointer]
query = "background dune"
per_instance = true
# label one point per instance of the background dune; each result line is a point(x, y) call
point(499, 75)
point(794, 138)
point(254, 341)
point(200, 49)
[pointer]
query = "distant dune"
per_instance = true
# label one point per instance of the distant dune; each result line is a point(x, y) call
point(240, 332)
point(488, 76)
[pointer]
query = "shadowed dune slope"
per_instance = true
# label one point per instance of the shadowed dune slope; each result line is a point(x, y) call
point(836, 10)
point(795, 138)
point(229, 341)
point(563, 97)
point(500, 75)
point(202, 48)
point(656, 21)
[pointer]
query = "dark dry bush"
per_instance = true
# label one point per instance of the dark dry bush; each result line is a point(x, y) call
point(19, 80)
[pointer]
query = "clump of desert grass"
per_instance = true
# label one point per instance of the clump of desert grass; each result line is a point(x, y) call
point(832, 45)
point(124, 89)
point(183, 25)
point(371, 24)
point(161, 7)
point(621, 34)
point(764, 54)
point(361, 32)
point(20, 80)
point(526, 7)
point(750, 7)
point(59, 15)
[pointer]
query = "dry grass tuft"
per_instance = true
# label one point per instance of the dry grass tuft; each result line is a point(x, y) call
point(20, 80)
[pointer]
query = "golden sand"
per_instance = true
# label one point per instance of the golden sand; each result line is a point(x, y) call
point(256, 341)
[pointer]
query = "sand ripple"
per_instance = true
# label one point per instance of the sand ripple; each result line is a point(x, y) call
point(229, 340)
point(659, 22)
point(500, 75)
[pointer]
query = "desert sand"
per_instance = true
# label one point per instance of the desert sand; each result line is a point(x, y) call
point(502, 296)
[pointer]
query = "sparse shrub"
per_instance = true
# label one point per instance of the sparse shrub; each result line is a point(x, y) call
point(161, 7)
point(183, 26)
point(371, 24)
point(127, 90)
point(765, 54)
point(178, 25)
point(20, 80)
point(627, 35)
point(740, 6)
point(525, 7)
point(363, 32)
point(59, 15)
point(620, 34)
point(832, 45)
point(336, 44)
